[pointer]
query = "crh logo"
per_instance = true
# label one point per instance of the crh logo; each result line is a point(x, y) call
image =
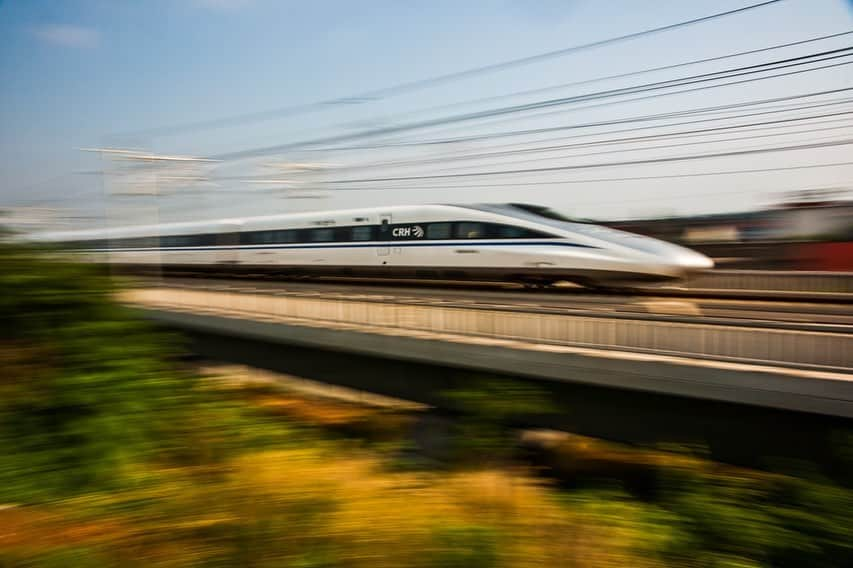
point(415, 231)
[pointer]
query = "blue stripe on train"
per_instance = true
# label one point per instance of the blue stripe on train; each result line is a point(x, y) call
point(359, 245)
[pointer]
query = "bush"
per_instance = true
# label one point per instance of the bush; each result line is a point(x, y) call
point(87, 391)
point(487, 411)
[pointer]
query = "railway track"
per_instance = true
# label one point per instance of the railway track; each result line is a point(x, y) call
point(829, 317)
point(749, 285)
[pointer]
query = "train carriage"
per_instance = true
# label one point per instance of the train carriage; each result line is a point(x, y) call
point(500, 242)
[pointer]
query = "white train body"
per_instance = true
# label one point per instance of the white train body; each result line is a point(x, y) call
point(478, 242)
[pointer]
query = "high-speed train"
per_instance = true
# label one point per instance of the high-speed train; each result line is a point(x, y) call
point(492, 242)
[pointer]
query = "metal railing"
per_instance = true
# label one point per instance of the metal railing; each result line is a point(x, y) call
point(829, 351)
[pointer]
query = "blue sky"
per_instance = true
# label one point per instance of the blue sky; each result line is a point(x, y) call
point(83, 73)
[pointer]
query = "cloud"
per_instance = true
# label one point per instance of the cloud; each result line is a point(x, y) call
point(67, 35)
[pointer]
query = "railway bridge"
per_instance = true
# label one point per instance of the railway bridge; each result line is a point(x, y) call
point(690, 363)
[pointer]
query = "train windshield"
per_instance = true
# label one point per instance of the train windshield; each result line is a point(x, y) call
point(537, 213)
point(547, 216)
point(547, 212)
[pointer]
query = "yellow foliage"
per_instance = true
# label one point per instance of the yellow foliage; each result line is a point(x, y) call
point(278, 507)
point(380, 518)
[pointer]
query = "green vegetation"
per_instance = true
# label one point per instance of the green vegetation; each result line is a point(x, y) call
point(487, 411)
point(112, 453)
point(85, 390)
point(696, 513)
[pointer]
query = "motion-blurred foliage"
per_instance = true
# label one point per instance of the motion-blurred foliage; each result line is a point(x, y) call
point(85, 391)
point(111, 455)
point(488, 412)
point(90, 394)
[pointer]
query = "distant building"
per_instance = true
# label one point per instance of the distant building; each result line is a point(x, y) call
point(803, 215)
point(815, 215)
point(724, 227)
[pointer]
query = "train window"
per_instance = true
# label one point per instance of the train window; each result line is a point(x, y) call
point(179, 240)
point(267, 237)
point(362, 233)
point(204, 240)
point(142, 242)
point(254, 237)
point(275, 237)
point(470, 230)
point(511, 232)
point(507, 232)
point(228, 239)
point(439, 230)
point(321, 235)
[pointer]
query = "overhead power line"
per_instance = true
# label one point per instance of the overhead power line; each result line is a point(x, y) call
point(520, 108)
point(524, 147)
point(753, 126)
point(612, 122)
point(623, 75)
point(436, 80)
point(561, 110)
point(600, 180)
point(653, 88)
point(416, 85)
point(649, 161)
point(709, 133)
point(665, 146)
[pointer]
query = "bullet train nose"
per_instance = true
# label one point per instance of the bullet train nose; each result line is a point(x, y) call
point(678, 261)
point(692, 260)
